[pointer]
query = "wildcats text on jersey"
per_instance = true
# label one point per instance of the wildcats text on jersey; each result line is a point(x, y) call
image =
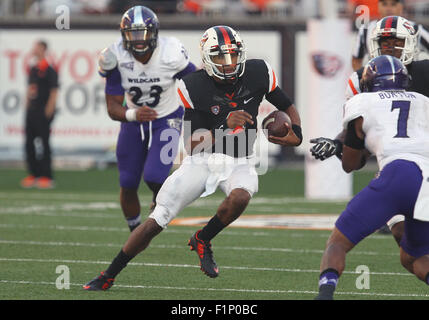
point(153, 83)
point(144, 80)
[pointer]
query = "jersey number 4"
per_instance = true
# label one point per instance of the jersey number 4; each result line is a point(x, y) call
point(404, 110)
point(155, 93)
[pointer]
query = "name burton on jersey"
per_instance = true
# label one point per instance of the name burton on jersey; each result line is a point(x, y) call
point(395, 94)
point(143, 80)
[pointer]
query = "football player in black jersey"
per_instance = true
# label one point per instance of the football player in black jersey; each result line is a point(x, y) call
point(222, 103)
point(393, 36)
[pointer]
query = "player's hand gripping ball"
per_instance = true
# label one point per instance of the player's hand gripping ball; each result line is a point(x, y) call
point(274, 124)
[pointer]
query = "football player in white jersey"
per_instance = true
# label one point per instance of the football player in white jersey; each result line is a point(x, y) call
point(393, 36)
point(392, 124)
point(143, 68)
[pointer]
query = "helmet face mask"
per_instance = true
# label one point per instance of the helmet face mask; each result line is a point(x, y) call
point(391, 46)
point(223, 54)
point(139, 30)
point(140, 41)
point(394, 27)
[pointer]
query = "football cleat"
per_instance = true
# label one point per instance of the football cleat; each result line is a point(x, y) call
point(28, 182)
point(205, 254)
point(100, 283)
point(45, 183)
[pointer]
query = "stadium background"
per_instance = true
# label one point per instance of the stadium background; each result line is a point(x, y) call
point(275, 31)
point(84, 140)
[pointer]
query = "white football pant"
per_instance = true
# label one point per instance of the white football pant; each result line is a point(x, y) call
point(200, 175)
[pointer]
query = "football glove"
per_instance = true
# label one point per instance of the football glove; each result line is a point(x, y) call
point(325, 148)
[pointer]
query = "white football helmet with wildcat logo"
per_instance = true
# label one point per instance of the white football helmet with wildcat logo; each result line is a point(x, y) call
point(222, 43)
point(395, 27)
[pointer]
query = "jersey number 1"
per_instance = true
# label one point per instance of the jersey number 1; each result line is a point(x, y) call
point(404, 110)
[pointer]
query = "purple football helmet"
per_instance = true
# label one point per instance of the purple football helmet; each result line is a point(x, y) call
point(384, 73)
point(139, 29)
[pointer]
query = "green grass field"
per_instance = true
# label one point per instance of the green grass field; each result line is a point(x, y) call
point(79, 224)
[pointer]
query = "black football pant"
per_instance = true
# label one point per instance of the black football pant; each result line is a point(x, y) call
point(37, 148)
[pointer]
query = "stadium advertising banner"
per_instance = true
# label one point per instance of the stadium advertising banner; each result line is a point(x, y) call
point(81, 121)
point(322, 77)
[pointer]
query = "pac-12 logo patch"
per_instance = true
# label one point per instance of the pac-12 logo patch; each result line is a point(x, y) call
point(326, 64)
point(215, 109)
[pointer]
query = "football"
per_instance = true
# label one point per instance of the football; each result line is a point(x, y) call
point(274, 124)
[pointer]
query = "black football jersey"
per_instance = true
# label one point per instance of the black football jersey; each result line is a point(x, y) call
point(419, 74)
point(208, 104)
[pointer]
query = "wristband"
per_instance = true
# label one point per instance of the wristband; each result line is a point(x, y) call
point(131, 115)
point(298, 131)
point(352, 140)
point(339, 147)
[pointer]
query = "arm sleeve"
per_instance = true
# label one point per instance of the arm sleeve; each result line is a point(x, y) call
point(113, 83)
point(352, 140)
point(279, 99)
point(189, 68)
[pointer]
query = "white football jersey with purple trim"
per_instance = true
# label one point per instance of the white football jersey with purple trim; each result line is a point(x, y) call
point(152, 84)
point(395, 123)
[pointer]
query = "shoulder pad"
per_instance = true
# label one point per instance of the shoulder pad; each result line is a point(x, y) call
point(107, 61)
point(174, 55)
point(353, 85)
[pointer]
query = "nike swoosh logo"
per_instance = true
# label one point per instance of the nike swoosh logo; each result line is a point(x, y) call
point(246, 101)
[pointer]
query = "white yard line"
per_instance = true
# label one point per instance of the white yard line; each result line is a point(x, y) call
point(170, 265)
point(173, 246)
point(242, 290)
point(180, 230)
point(113, 196)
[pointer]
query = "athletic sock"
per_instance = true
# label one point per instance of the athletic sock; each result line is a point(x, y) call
point(134, 222)
point(119, 263)
point(212, 228)
point(327, 283)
